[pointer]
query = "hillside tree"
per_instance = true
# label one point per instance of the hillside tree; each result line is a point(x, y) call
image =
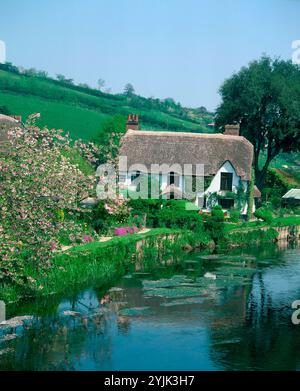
point(129, 89)
point(101, 84)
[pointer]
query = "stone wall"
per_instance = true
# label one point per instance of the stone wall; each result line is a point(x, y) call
point(288, 232)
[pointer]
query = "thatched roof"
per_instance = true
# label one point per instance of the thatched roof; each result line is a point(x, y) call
point(213, 150)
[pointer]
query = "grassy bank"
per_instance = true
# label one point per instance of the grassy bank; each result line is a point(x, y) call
point(97, 263)
point(253, 232)
point(276, 222)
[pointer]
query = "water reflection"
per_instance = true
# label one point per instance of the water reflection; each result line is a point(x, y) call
point(172, 318)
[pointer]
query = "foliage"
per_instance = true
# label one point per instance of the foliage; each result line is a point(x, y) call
point(250, 237)
point(275, 187)
point(215, 223)
point(149, 208)
point(264, 214)
point(234, 215)
point(179, 218)
point(264, 99)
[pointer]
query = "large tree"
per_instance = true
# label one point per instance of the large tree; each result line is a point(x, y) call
point(264, 98)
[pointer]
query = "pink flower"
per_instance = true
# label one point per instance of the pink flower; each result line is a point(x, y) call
point(87, 238)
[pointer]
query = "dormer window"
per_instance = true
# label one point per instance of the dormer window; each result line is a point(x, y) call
point(226, 181)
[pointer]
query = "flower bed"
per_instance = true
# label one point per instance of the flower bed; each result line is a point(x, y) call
point(120, 231)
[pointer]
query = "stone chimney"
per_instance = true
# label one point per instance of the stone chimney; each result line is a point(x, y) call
point(232, 130)
point(132, 122)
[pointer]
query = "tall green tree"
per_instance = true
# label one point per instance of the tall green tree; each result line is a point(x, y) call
point(264, 98)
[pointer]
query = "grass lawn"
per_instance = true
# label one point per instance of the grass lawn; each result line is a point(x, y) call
point(81, 122)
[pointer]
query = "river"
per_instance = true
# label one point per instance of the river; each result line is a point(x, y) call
point(206, 312)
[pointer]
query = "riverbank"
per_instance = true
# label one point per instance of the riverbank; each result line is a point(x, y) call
point(254, 232)
point(99, 263)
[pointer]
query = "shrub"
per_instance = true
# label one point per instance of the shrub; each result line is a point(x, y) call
point(171, 217)
point(234, 215)
point(264, 214)
point(215, 223)
point(217, 213)
point(148, 207)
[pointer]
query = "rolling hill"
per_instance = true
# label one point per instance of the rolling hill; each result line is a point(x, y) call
point(82, 111)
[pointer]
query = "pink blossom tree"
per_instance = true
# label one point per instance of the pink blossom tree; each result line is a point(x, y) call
point(36, 181)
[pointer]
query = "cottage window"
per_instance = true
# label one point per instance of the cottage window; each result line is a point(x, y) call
point(226, 203)
point(226, 181)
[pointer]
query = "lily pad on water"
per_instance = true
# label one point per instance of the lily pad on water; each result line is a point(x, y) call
point(190, 300)
point(211, 257)
point(192, 284)
point(221, 282)
point(163, 283)
point(170, 293)
point(166, 282)
point(235, 271)
point(135, 311)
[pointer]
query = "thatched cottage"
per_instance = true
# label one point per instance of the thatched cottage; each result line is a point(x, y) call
point(225, 158)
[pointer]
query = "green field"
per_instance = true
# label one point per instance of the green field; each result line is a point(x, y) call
point(287, 165)
point(82, 111)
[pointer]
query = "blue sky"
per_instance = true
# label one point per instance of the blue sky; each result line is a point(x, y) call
point(182, 49)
